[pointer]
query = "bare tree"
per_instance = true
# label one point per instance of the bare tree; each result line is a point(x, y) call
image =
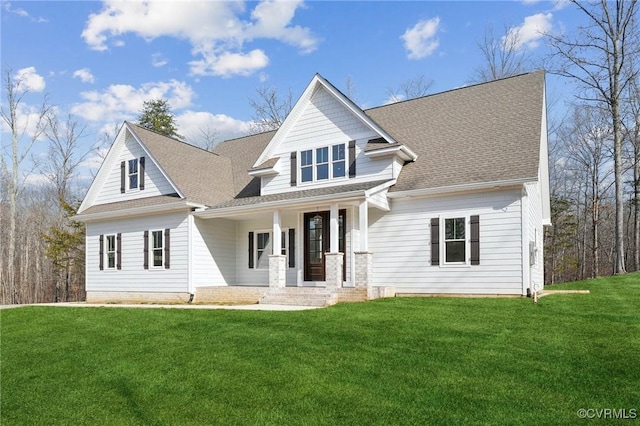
point(270, 109)
point(23, 135)
point(64, 159)
point(409, 89)
point(208, 138)
point(502, 55)
point(595, 57)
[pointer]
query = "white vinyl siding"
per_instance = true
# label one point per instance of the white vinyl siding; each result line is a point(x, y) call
point(400, 243)
point(535, 233)
point(214, 252)
point(132, 276)
point(154, 182)
point(325, 122)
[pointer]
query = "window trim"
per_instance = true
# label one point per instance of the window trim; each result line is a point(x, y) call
point(284, 249)
point(152, 248)
point(136, 174)
point(106, 252)
point(467, 240)
point(329, 164)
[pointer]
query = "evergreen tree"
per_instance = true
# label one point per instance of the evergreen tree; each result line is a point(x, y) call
point(156, 115)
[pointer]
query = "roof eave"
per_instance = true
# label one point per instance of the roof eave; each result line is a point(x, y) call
point(136, 211)
point(478, 186)
point(402, 151)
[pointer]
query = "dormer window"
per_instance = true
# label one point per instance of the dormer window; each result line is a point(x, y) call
point(133, 173)
point(327, 162)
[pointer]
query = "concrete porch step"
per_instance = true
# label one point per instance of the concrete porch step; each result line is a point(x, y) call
point(301, 296)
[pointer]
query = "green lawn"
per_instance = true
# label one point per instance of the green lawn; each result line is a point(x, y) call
point(393, 361)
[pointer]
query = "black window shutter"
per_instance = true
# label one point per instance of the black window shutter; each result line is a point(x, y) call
point(122, 177)
point(167, 248)
point(435, 241)
point(475, 240)
point(352, 159)
point(146, 249)
point(101, 252)
point(294, 169)
point(141, 174)
point(292, 248)
point(119, 251)
point(250, 250)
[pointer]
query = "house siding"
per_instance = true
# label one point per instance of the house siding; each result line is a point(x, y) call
point(154, 182)
point(536, 232)
point(325, 122)
point(133, 277)
point(400, 242)
point(213, 252)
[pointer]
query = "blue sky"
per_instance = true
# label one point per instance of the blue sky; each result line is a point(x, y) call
point(101, 60)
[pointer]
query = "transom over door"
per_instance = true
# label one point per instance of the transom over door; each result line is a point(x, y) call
point(316, 243)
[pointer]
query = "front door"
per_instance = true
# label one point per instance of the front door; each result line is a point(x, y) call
point(316, 243)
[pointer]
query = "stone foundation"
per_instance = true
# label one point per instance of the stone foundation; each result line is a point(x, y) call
point(333, 269)
point(363, 269)
point(135, 297)
point(277, 271)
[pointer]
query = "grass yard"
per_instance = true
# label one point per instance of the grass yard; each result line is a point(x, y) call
point(393, 361)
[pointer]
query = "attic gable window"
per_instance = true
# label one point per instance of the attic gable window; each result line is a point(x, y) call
point(324, 163)
point(133, 173)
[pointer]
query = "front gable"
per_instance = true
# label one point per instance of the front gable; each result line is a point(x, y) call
point(322, 142)
point(128, 172)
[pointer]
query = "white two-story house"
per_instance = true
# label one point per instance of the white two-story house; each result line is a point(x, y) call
point(444, 194)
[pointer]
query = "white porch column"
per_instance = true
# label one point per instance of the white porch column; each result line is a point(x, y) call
point(277, 261)
point(363, 259)
point(364, 226)
point(277, 233)
point(333, 259)
point(333, 229)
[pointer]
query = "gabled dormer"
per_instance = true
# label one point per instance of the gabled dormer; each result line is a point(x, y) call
point(325, 141)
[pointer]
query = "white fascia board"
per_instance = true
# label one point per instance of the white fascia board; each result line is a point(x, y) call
point(404, 152)
point(137, 211)
point(158, 165)
point(482, 186)
point(270, 205)
point(271, 171)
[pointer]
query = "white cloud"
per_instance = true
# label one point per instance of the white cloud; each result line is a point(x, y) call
point(123, 102)
point(528, 34)
point(158, 60)
point(215, 30)
point(27, 79)
point(84, 75)
point(191, 123)
point(392, 99)
point(421, 40)
point(23, 13)
point(229, 64)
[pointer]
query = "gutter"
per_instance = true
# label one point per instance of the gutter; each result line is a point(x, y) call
point(136, 211)
point(514, 183)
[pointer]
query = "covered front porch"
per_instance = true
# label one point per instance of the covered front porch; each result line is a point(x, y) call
point(315, 242)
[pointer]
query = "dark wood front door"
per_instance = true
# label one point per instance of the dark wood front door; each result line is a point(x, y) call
point(316, 243)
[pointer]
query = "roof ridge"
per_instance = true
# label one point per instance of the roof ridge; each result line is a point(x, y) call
point(456, 89)
point(172, 139)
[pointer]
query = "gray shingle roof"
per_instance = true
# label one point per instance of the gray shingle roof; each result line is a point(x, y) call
point(297, 195)
point(484, 133)
point(203, 177)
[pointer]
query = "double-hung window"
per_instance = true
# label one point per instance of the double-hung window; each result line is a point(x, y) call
point(110, 251)
point(133, 173)
point(263, 249)
point(455, 242)
point(157, 249)
point(324, 163)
